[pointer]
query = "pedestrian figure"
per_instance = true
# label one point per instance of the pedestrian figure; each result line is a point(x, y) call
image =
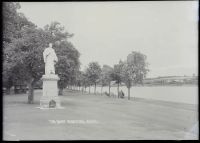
point(122, 94)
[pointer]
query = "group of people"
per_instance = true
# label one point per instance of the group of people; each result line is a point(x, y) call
point(121, 94)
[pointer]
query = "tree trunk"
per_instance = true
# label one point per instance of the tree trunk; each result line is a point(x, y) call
point(15, 90)
point(8, 90)
point(109, 89)
point(30, 92)
point(101, 89)
point(129, 93)
point(82, 89)
point(118, 89)
point(60, 91)
point(95, 88)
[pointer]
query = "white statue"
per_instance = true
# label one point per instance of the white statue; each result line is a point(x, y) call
point(50, 59)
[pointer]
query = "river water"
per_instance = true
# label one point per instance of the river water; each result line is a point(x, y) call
point(183, 94)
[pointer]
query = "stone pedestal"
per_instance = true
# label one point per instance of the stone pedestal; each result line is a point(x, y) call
point(50, 97)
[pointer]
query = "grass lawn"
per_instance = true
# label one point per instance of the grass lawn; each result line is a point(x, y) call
point(88, 117)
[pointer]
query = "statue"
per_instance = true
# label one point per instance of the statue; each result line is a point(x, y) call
point(50, 59)
point(49, 98)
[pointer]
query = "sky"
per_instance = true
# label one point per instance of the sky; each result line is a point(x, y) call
point(105, 32)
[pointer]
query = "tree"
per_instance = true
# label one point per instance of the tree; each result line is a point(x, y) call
point(107, 75)
point(85, 80)
point(134, 69)
point(23, 45)
point(88, 79)
point(57, 32)
point(79, 79)
point(28, 57)
point(68, 64)
point(13, 23)
point(17, 35)
point(68, 57)
point(93, 71)
point(28, 60)
point(102, 81)
point(117, 74)
point(9, 21)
